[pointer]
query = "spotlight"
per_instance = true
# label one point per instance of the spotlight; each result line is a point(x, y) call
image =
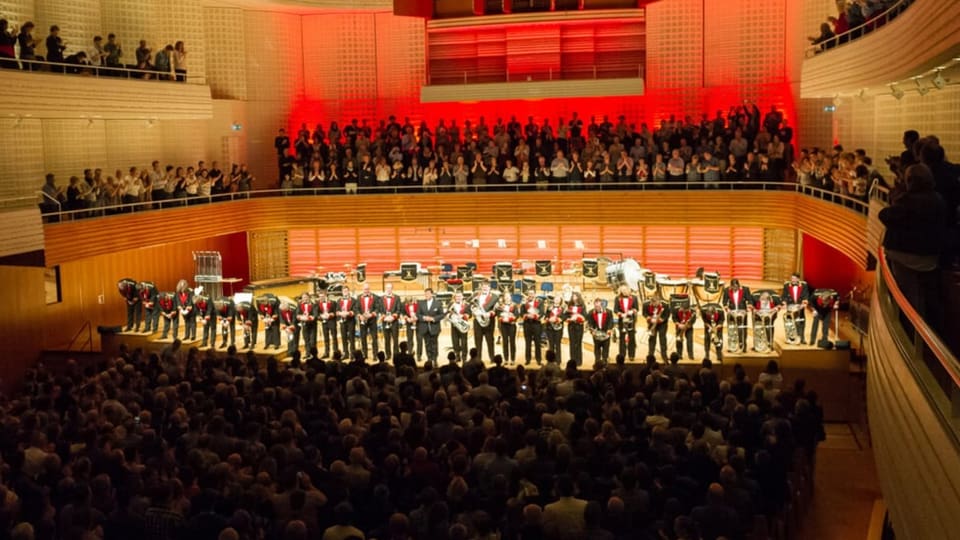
point(896, 92)
point(939, 82)
point(921, 89)
point(836, 100)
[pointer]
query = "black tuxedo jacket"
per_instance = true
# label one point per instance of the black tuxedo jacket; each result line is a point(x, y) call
point(745, 298)
point(803, 293)
point(435, 310)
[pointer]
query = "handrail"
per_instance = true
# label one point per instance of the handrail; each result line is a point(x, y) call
point(851, 203)
point(18, 202)
point(45, 195)
point(924, 335)
point(103, 71)
point(856, 32)
point(89, 328)
point(585, 73)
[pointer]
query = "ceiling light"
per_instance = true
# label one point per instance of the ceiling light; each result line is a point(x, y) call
point(939, 82)
point(921, 89)
point(896, 91)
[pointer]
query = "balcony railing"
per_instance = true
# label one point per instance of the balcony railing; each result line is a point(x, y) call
point(853, 204)
point(63, 68)
point(858, 31)
point(935, 367)
point(586, 73)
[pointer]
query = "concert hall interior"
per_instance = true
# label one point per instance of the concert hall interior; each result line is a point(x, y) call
point(721, 233)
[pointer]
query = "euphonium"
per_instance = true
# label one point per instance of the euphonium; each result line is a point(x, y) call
point(480, 316)
point(600, 334)
point(459, 322)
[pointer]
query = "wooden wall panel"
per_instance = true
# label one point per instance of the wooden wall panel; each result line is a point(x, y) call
point(89, 286)
point(917, 457)
point(269, 257)
point(22, 321)
point(303, 252)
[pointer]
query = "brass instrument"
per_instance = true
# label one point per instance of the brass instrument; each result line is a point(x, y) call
point(655, 319)
point(761, 338)
point(790, 323)
point(457, 321)
point(507, 315)
point(600, 334)
point(736, 320)
point(555, 319)
point(481, 317)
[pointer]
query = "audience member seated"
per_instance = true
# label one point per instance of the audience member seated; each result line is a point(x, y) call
point(195, 445)
point(854, 19)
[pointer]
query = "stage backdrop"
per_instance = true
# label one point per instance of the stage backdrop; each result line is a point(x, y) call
point(747, 252)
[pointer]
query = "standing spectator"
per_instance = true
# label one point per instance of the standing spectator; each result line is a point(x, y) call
point(8, 38)
point(915, 227)
point(163, 63)
point(28, 47)
point(143, 58)
point(97, 55)
point(55, 48)
point(52, 195)
point(114, 52)
point(180, 61)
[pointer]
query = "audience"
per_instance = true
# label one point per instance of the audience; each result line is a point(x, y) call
point(101, 59)
point(196, 445)
point(854, 19)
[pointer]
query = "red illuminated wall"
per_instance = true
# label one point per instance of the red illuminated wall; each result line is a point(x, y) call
point(826, 268)
point(701, 56)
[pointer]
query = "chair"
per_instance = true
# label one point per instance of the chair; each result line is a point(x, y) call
point(516, 298)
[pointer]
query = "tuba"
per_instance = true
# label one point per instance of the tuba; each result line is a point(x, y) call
point(761, 340)
point(790, 324)
point(736, 321)
point(481, 317)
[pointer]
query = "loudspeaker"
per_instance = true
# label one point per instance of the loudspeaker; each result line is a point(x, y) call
point(109, 330)
point(825, 344)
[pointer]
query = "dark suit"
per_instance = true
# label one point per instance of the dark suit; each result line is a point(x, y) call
point(307, 317)
point(291, 328)
point(576, 318)
point(508, 331)
point(151, 309)
point(554, 330)
point(348, 325)
point(430, 330)
point(184, 302)
point(656, 313)
point(738, 301)
point(326, 314)
point(532, 328)
point(168, 309)
point(628, 338)
point(269, 309)
point(483, 334)
point(367, 308)
point(685, 316)
point(250, 319)
point(128, 289)
point(391, 329)
point(712, 318)
point(204, 309)
point(414, 338)
point(457, 338)
point(601, 320)
point(794, 295)
point(227, 319)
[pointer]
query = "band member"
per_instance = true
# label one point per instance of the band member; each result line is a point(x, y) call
point(203, 308)
point(576, 316)
point(684, 317)
point(269, 308)
point(712, 315)
point(824, 304)
point(736, 303)
point(533, 311)
point(625, 307)
point(307, 319)
point(764, 314)
point(600, 321)
point(250, 320)
point(168, 309)
point(554, 327)
point(369, 306)
point(131, 295)
point(410, 321)
point(326, 313)
point(227, 318)
point(459, 314)
point(483, 327)
point(656, 312)
point(429, 314)
point(508, 314)
point(347, 315)
point(151, 310)
point(184, 299)
point(290, 327)
point(390, 312)
point(795, 297)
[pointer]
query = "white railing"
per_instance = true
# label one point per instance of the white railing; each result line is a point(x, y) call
point(860, 30)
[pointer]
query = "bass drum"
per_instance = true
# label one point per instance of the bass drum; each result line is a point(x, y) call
point(626, 272)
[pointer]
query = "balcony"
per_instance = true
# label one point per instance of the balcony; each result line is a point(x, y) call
point(909, 42)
